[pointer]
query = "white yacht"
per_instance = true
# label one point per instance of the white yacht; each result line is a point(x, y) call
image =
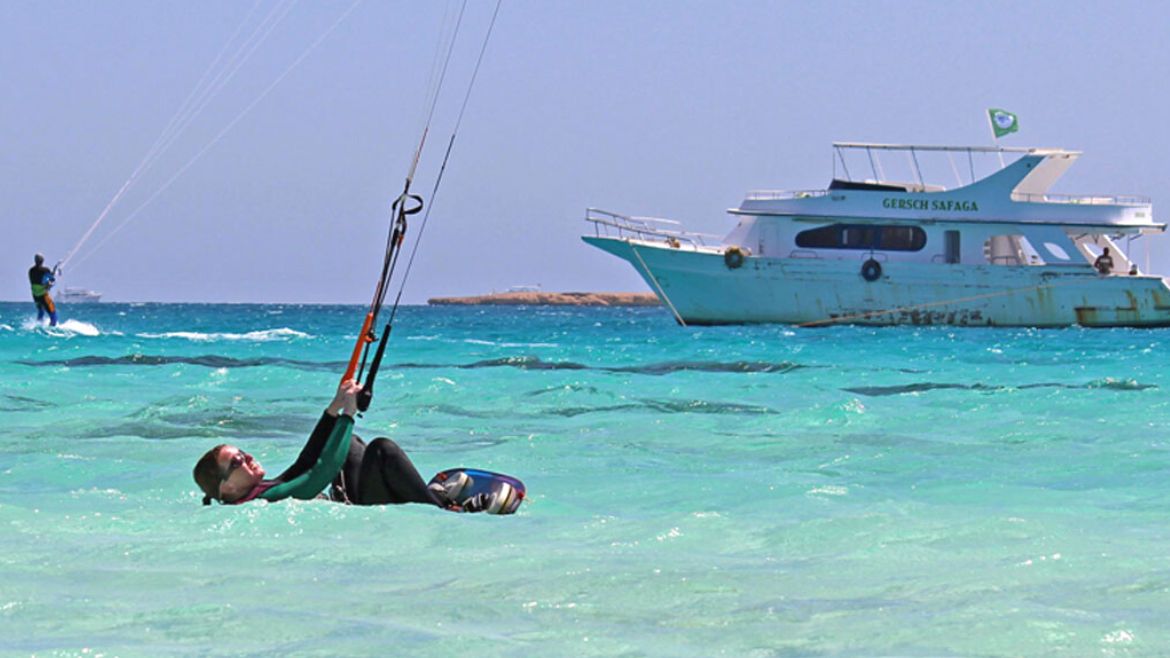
point(77, 296)
point(996, 250)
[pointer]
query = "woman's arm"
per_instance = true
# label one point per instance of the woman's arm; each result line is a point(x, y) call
point(310, 483)
point(313, 447)
point(317, 439)
point(325, 451)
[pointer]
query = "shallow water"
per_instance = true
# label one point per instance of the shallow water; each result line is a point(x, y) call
point(754, 491)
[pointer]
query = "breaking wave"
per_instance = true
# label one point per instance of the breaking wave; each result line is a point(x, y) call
point(266, 335)
point(10, 402)
point(65, 329)
point(922, 387)
point(665, 406)
point(520, 362)
point(209, 360)
point(664, 368)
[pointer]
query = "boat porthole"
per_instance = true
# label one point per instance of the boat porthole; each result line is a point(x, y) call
point(733, 258)
point(871, 270)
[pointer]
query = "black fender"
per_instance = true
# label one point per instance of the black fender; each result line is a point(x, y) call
point(871, 270)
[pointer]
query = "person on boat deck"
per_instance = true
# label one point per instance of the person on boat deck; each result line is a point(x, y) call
point(1133, 271)
point(376, 474)
point(1104, 262)
point(41, 279)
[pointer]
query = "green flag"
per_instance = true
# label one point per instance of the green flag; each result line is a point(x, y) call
point(1003, 122)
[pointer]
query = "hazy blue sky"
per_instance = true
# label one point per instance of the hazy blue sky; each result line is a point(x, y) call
point(669, 109)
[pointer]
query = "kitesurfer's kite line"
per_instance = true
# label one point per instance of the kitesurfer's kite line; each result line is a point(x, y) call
point(405, 205)
point(195, 104)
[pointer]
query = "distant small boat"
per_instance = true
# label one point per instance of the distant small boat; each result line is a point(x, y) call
point(78, 296)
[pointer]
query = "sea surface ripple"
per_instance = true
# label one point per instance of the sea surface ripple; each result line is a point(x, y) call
point(741, 491)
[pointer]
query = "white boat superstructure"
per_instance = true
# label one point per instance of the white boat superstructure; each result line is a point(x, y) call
point(78, 296)
point(999, 250)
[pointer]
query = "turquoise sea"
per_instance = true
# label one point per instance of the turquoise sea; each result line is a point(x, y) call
point(728, 491)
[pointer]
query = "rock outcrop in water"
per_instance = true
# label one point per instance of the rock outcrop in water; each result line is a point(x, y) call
point(553, 299)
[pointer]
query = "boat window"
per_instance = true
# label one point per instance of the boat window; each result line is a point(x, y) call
point(839, 184)
point(825, 237)
point(859, 237)
point(902, 238)
point(863, 236)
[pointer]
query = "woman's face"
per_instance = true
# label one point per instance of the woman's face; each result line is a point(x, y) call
point(240, 472)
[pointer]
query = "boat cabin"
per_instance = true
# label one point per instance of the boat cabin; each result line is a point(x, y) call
point(1006, 217)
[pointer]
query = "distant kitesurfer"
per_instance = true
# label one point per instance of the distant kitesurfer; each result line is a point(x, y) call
point(42, 279)
point(376, 474)
point(1104, 262)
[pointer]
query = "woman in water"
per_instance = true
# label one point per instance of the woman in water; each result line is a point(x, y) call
point(375, 474)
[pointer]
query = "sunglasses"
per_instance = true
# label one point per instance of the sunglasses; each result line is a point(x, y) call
point(237, 461)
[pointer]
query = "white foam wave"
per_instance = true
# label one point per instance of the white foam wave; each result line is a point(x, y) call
point(477, 341)
point(79, 327)
point(4, 327)
point(65, 329)
point(266, 335)
point(829, 490)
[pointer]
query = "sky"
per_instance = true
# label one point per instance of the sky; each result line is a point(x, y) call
point(279, 189)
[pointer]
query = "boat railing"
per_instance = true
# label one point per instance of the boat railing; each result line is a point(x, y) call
point(873, 146)
point(607, 224)
point(1076, 199)
point(1091, 200)
point(776, 195)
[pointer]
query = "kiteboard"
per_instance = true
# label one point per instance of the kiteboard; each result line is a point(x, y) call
point(506, 491)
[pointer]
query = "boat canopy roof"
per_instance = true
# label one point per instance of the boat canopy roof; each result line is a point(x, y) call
point(1033, 182)
point(873, 146)
point(887, 181)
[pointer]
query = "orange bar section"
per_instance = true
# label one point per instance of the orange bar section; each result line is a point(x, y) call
point(363, 339)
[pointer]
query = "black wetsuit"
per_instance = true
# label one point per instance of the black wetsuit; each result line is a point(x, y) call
point(41, 279)
point(379, 474)
point(376, 474)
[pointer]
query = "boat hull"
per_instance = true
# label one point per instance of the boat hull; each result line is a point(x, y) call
point(77, 296)
point(79, 299)
point(700, 288)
